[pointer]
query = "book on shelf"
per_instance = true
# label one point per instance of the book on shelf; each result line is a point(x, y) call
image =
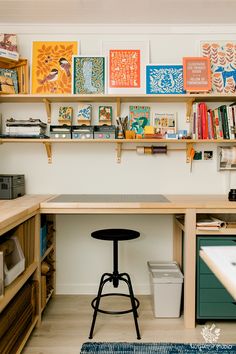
point(8, 47)
point(218, 123)
point(210, 223)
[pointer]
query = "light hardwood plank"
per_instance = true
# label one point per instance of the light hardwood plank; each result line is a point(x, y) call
point(67, 319)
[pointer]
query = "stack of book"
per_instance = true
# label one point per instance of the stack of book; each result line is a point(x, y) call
point(218, 123)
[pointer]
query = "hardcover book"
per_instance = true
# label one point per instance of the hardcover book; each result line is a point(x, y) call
point(139, 118)
point(165, 123)
point(12, 74)
point(8, 47)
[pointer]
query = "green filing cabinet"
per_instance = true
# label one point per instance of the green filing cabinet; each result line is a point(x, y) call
point(213, 300)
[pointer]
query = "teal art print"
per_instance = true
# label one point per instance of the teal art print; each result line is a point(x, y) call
point(88, 75)
point(164, 79)
point(139, 118)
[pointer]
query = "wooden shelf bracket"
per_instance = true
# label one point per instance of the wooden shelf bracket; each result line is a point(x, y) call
point(189, 108)
point(48, 109)
point(118, 152)
point(189, 148)
point(48, 147)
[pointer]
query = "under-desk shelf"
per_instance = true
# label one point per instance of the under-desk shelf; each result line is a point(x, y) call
point(188, 144)
point(12, 289)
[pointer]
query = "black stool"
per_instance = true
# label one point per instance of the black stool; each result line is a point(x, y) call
point(115, 235)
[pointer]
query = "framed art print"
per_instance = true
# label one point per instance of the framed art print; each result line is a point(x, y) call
point(88, 74)
point(126, 66)
point(52, 67)
point(164, 79)
point(222, 56)
point(197, 74)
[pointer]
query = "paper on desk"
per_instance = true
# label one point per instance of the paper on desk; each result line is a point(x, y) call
point(210, 223)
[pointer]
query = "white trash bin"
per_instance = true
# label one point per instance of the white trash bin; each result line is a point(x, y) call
point(166, 288)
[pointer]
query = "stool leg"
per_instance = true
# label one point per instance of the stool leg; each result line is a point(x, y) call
point(135, 313)
point(101, 285)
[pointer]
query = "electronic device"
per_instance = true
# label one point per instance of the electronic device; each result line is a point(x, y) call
point(82, 132)
point(12, 186)
point(105, 132)
point(232, 195)
point(60, 131)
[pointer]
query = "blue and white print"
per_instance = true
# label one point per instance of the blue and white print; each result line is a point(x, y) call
point(164, 79)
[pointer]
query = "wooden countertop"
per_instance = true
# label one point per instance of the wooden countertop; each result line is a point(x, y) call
point(15, 210)
point(178, 202)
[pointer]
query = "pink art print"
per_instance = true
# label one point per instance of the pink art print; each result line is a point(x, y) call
point(124, 68)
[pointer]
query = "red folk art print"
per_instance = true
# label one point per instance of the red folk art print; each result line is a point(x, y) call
point(124, 68)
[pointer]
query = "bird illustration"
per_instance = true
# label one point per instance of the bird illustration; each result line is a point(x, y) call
point(53, 76)
point(65, 65)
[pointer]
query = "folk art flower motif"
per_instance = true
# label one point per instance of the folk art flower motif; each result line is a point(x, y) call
point(51, 67)
point(223, 65)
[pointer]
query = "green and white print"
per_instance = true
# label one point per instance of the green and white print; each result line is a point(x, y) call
point(88, 75)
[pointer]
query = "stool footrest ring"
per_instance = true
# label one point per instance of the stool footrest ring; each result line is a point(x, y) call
point(115, 312)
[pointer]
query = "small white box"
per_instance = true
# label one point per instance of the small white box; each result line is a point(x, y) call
point(166, 288)
point(15, 264)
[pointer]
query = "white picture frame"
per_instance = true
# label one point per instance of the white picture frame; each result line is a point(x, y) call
point(138, 54)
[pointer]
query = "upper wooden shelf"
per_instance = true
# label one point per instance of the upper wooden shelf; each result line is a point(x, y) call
point(114, 98)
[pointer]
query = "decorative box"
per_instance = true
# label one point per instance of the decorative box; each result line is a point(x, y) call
point(60, 132)
point(105, 132)
point(82, 132)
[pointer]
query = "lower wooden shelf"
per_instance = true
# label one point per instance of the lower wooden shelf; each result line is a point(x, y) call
point(12, 289)
point(26, 337)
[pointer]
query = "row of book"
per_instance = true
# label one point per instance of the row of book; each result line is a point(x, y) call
point(217, 123)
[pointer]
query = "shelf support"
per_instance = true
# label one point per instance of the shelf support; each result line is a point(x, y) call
point(48, 147)
point(189, 107)
point(189, 147)
point(48, 109)
point(118, 106)
point(118, 152)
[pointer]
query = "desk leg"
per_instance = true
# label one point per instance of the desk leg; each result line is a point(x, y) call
point(189, 268)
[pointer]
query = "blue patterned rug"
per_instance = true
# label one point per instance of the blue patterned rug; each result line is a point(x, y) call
point(158, 348)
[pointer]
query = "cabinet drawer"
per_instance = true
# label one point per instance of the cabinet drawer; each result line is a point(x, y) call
point(209, 281)
point(214, 295)
point(217, 310)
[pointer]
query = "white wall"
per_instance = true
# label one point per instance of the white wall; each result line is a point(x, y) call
point(92, 168)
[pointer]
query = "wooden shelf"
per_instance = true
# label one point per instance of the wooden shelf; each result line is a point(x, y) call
point(119, 143)
point(12, 289)
point(31, 98)
point(48, 298)
point(47, 99)
point(20, 348)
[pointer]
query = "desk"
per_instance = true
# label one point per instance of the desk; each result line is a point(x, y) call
point(188, 205)
point(222, 262)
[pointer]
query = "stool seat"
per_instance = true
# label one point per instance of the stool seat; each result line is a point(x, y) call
point(115, 234)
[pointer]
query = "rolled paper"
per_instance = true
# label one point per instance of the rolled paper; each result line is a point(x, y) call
point(148, 150)
point(159, 149)
point(140, 150)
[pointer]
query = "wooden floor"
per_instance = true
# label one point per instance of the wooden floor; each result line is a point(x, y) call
point(67, 319)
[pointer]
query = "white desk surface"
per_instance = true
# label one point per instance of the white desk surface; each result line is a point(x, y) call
point(222, 262)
